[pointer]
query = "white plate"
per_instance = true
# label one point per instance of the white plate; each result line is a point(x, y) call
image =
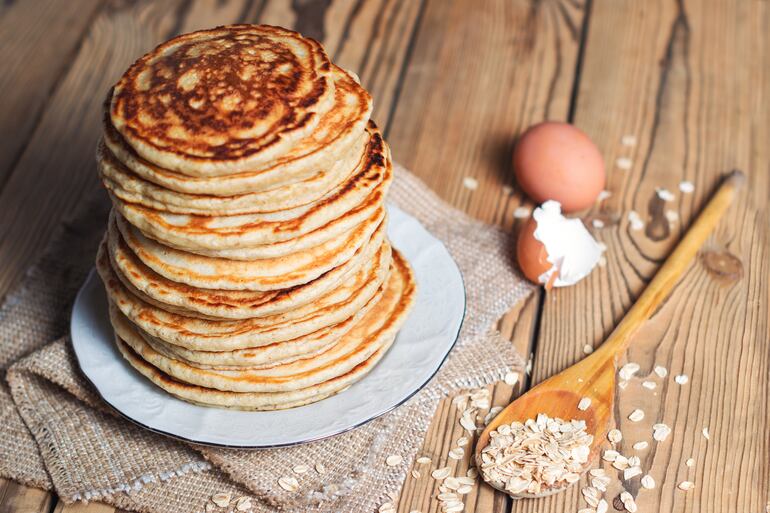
point(419, 350)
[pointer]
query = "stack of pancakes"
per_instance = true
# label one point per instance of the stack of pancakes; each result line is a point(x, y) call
point(246, 258)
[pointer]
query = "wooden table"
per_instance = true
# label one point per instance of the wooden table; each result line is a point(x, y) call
point(454, 82)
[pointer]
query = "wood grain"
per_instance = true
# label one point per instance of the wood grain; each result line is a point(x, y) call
point(688, 80)
point(470, 86)
point(478, 77)
point(37, 42)
point(16, 498)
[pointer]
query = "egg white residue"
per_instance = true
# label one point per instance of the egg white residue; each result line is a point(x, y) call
point(570, 247)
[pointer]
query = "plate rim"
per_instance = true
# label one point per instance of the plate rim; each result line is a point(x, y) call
point(92, 277)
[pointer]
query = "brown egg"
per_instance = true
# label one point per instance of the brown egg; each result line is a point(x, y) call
point(559, 162)
point(531, 254)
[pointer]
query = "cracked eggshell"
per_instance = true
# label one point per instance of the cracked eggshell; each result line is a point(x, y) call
point(555, 251)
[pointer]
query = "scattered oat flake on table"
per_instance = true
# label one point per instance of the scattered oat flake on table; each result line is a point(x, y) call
point(635, 221)
point(597, 223)
point(470, 183)
point(591, 495)
point(672, 216)
point(660, 432)
point(603, 195)
point(640, 445)
point(690, 462)
point(597, 472)
point(601, 482)
point(650, 385)
point(631, 472)
point(423, 460)
point(319, 467)
point(614, 435)
point(393, 460)
point(457, 453)
point(511, 378)
point(588, 349)
point(628, 140)
point(243, 504)
point(686, 187)
point(610, 455)
point(416, 474)
point(686, 485)
point(602, 506)
point(387, 507)
point(300, 469)
point(441, 473)
point(465, 489)
point(624, 163)
point(522, 212)
point(630, 504)
point(681, 379)
point(620, 463)
point(584, 404)
point(462, 441)
point(636, 415)
point(706, 433)
point(221, 499)
point(661, 371)
point(664, 194)
point(628, 370)
point(472, 473)
point(288, 483)
point(648, 482)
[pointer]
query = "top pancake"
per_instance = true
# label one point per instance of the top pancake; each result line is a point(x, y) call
point(223, 101)
point(333, 144)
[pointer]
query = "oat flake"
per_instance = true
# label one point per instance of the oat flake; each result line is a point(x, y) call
point(636, 415)
point(221, 499)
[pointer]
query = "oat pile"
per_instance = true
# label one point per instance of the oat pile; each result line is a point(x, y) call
point(536, 455)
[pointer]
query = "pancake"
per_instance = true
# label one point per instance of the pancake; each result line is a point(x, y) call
point(369, 184)
point(223, 101)
point(130, 187)
point(335, 228)
point(373, 332)
point(255, 275)
point(221, 304)
point(337, 306)
point(332, 144)
point(250, 401)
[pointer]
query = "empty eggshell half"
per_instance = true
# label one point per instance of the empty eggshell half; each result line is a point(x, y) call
point(556, 251)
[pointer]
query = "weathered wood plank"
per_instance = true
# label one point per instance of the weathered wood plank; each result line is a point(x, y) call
point(475, 80)
point(37, 42)
point(16, 498)
point(479, 76)
point(688, 80)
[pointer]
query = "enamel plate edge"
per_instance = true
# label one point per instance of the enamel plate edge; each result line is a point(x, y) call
point(422, 345)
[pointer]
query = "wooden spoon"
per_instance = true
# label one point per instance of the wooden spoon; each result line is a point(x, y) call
point(594, 376)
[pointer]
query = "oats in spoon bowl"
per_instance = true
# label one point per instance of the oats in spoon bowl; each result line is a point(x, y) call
point(537, 457)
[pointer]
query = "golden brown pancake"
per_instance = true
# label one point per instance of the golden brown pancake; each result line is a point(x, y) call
point(343, 302)
point(372, 335)
point(224, 304)
point(333, 145)
point(224, 100)
point(368, 184)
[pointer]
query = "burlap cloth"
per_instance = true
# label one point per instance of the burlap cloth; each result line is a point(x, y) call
point(57, 434)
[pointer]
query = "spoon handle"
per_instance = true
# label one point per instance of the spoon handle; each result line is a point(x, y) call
point(677, 262)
